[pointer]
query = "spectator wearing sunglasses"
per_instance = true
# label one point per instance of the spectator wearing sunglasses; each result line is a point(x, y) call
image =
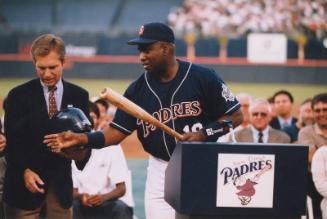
point(259, 130)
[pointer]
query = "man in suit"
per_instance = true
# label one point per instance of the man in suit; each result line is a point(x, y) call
point(259, 130)
point(283, 104)
point(38, 181)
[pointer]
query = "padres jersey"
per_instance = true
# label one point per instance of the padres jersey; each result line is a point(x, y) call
point(194, 98)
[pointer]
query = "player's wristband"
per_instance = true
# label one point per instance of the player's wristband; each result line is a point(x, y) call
point(214, 130)
point(95, 139)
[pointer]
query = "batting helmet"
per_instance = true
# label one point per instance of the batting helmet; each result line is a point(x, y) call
point(71, 119)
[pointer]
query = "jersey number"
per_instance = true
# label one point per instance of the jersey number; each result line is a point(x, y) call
point(195, 127)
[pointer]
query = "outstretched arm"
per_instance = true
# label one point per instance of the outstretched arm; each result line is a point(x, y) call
point(68, 139)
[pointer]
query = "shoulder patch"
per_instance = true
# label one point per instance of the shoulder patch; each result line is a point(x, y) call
point(226, 93)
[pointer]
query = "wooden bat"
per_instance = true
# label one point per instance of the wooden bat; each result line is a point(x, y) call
point(133, 109)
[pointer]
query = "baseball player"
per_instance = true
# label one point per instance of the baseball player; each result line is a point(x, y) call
point(190, 99)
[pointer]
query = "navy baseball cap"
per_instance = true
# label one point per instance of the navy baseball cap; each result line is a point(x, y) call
point(153, 32)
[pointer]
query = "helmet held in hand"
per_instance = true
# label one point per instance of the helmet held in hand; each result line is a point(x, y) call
point(71, 119)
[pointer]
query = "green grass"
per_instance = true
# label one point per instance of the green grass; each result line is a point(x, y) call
point(94, 86)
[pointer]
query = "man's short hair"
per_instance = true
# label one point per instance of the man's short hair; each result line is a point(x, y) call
point(284, 92)
point(322, 97)
point(260, 101)
point(270, 100)
point(46, 43)
point(308, 100)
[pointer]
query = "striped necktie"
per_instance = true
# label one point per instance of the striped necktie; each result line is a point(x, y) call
point(52, 102)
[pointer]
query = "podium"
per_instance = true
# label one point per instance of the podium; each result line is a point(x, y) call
point(237, 180)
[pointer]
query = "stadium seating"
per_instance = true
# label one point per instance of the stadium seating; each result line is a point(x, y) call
point(137, 12)
point(115, 46)
point(107, 24)
point(28, 15)
point(81, 15)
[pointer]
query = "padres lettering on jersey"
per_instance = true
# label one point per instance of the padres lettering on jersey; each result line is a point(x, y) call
point(165, 115)
point(195, 97)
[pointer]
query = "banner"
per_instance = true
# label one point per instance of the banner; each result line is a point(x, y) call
point(266, 48)
point(245, 180)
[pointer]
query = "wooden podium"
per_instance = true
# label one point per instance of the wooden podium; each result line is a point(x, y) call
point(237, 180)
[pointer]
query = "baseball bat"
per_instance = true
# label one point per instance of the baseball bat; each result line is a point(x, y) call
point(133, 109)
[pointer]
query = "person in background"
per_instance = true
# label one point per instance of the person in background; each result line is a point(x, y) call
point(273, 113)
point(259, 130)
point(305, 118)
point(245, 101)
point(104, 119)
point(315, 136)
point(283, 104)
point(37, 181)
point(94, 115)
point(100, 187)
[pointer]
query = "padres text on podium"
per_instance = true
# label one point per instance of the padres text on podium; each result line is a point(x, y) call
point(237, 180)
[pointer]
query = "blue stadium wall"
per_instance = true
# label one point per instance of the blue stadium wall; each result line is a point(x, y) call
point(232, 73)
point(116, 47)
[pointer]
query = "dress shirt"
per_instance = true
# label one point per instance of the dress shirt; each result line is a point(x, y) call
point(283, 123)
point(255, 134)
point(57, 93)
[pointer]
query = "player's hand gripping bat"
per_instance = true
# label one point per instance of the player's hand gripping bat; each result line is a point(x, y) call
point(133, 109)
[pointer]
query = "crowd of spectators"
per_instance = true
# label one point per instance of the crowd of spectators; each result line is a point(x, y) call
point(273, 121)
point(235, 18)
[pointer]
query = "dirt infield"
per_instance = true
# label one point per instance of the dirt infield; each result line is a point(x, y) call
point(132, 148)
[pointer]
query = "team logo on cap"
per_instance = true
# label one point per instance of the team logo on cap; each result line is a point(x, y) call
point(141, 31)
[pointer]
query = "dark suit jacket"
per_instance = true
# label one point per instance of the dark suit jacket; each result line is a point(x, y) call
point(274, 136)
point(26, 123)
point(274, 123)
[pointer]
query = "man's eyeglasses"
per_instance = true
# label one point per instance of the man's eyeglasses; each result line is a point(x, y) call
point(256, 114)
point(320, 110)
